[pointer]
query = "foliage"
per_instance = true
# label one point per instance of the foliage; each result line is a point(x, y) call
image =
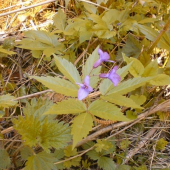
point(130, 34)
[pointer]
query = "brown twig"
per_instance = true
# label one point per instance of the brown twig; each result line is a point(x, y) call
point(161, 107)
point(132, 152)
point(21, 9)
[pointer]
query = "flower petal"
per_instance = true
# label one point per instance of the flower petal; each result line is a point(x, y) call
point(82, 93)
point(97, 63)
point(114, 70)
point(115, 78)
point(81, 85)
point(105, 56)
point(100, 52)
point(87, 80)
point(103, 75)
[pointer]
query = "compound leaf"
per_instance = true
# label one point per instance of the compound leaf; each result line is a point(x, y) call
point(106, 163)
point(160, 80)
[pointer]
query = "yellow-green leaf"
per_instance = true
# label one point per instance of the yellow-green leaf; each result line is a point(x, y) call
point(160, 80)
point(7, 101)
point(68, 69)
point(136, 68)
point(106, 111)
point(70, 106)
point(4, 158)
point(58, 85)
point(138, 99)
point(81, 126)
point(121, 100)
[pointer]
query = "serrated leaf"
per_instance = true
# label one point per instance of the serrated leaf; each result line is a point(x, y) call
point(70, 106)
point(129, 85)
point(7, 101)
point(121, 100)
point(26, 152)
point(5, 159)
point(151, 69)
point(160, 145)
point(58, 85)
point(93, 155)
point(106, 163)
point(103, 145)
point(81, 126)
point(89, 66)
point(106, 111)
point(138, 99)
point(160, 80)
point(68, 69)
point(42, 160)
point(136, 68)
point(71, 152)
point(38, 129)
point(60, 20)
point(124, 144)
point(107, 85)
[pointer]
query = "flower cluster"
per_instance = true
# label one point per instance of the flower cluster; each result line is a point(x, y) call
point(85, 88)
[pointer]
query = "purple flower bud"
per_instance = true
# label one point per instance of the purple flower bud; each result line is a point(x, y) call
point(103, 56)
point(112, 75)
point(85, 89)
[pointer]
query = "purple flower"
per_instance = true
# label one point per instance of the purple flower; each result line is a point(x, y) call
point(112, 75)
point(85, 89)
point(103, 56)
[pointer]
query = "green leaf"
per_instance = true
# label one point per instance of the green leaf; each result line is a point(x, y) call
point(125, 144)
point(60, 20)
point(58, 85)
point(103, 145)
point(93, 155)
point(5, 159)
point(71, 152)
point(26, 152)
point(5, 51)
point(89, 66)
point(161, 144)
point(129, 85)
point(151, 34)
point(81, 126)
point(151, 69)
point(70, 106)
point(38, 129)
point(89, 7)
point(42, 160)
point(68, 69)
point(106, 111)
point(107, 85)
point(132, 48)
point(160, 80)
point(106, 163)
point(123, 167)
point(121, 100)
point(132, 115)
point(7, 101)
point(136, 68)
point(138, 99)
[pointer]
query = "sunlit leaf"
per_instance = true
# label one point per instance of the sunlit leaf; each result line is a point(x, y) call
point(160, 80)
point(68, 69)
point(70, 106)
point(58, 85)
point(81, 126)
point(5, 159)
point(106, 111)
point(7, 101)
point(41, 161)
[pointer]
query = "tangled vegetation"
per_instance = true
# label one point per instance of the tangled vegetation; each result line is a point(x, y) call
point(89, 90)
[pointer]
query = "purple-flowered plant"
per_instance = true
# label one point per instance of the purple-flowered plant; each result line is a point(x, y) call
point(112, 75)
point(85, 89)
point(103, 56)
